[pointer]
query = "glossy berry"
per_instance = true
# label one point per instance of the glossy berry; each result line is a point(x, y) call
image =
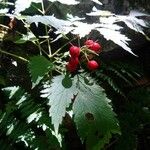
point(92, 65)
point(74, 61)
point(71, 68)
point(89, 43)
point(96, 47)
point(74, 51)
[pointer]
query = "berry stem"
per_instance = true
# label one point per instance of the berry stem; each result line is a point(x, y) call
point(58, 50)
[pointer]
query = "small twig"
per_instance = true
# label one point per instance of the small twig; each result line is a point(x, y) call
point(13, 55)
point(43, 9)
point(113, 142)
point(37, 9)
point(48, 42)
point(57, 51)
point(46, 30)
point(41, 49)
point(48, 7)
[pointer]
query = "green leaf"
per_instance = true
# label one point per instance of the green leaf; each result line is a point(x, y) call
point(59, 95)
point(11, 91)
point(38, 67)
point(29, 37)
point(94, 116)
point(67, 82)
point(2, 80)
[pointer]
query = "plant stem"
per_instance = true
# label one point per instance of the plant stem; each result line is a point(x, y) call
point(13, 55)
point(46, 30)
point(39, 46)
point(41, 49)
point(43, 9)
point(37, 8)
point(48, 42)
point(57, 51)
point(49, 6)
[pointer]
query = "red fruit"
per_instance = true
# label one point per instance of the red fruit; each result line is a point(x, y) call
point(96, 47)
point(71, 68)
point(88, 43)
point(92, 65)
point(74, 51)
point(74, 61)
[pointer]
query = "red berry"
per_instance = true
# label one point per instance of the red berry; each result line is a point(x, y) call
point(71, 68)
point(88, 43)
point(74, 51)
point(92, 65)
point(74, 61)
point(96, 47)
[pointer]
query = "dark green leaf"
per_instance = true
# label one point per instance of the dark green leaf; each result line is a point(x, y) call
point(94, 116)
point(38, 67)
point(67, 82)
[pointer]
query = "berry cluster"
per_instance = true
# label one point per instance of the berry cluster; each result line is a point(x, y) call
point(90, 47)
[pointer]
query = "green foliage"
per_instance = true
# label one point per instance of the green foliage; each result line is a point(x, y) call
point(38, 67)
point(134, 118)
point(93, 114)
point(29, 37)
point(99, 103)
point(94, 117)
point(59, 99)
point(15, 122)
point(118, 75)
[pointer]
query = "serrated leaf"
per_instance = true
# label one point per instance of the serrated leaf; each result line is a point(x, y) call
point(59, 98)
point(67, 2)
point(94, 116)
point(11, 91)
point(4, 11)
point(133, 23)
point(102, 13)
point(137, 13)
point(99, 145)
point(83, 29)
point(116, 37)
point(38, 67)
point(59, 24)
point(29, 37)
point(97, 2)
point(107, 26)
point(22, 5)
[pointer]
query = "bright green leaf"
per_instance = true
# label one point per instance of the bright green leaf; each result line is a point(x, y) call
point(38, 67)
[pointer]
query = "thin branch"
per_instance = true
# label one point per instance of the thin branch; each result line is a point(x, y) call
point(46, 30)
point(57, 51)
point(13, 55)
